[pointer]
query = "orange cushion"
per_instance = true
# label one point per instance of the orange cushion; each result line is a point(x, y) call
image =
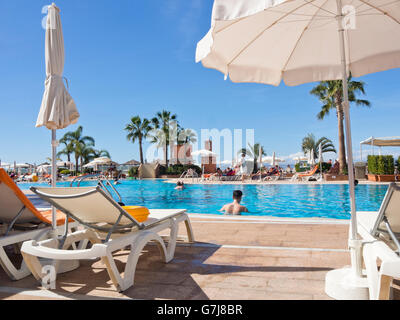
point(4, 178)
point(48, 217)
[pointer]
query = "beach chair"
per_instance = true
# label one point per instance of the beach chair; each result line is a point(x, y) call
point(381, 233)
point(273, 177)
point(20, 221)
point(307, 175)
point(109, 228)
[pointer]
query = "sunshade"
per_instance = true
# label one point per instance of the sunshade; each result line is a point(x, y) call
point(301, 41)
point(58, 109)
point(203, 153)
point(22, 165)
point(272, 160)
point(382, 142)
point(297, 40)
point(65, 164)
point(131, 163)
point(379, 142)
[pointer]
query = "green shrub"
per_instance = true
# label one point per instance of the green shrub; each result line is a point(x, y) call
point(300, 169)
point(133, 171)
point(381, 165)
point(66, 171)
point(326, 166)
point(178, 169)
point(372, 164)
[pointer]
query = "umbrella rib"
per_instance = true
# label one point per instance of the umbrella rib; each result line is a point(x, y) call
point(302, 33)
point(367, 9)
point(240, 19)
point(262, 32)
point(381, 11)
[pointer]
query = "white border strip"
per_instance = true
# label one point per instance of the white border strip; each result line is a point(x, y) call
point(264, 219)
point(229, 246)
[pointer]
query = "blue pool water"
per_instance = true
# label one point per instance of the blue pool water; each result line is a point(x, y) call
point(281, 200)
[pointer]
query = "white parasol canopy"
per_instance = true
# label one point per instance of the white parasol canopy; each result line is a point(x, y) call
point(296, 40)
point(380, 142)
point(301, 41)
point(311, 159)
point(273, 160)
point(5, 165)
point(22, 165)
point(64, 164)
point(58, 109)
point(43, 169)
point(320, 158)
point(203, 153)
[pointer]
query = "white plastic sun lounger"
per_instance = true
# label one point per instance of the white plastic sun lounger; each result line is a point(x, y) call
point(102, 216)
point(20, 220)
point(381, 233)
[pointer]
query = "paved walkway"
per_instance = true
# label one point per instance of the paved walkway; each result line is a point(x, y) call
point(238, 258)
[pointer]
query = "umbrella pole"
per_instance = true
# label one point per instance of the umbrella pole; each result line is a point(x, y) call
point(53, 172)
point(348, 283)
point(354, 242)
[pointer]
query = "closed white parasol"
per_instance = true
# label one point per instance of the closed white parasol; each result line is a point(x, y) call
point(58, 109)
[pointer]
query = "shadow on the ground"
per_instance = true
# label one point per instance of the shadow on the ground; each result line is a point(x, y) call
point(155, 279)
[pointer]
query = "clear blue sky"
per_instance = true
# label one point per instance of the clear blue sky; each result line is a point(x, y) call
point(126, 58)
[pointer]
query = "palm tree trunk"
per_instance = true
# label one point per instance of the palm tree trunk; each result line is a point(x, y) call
point(166, 155)
point(141, 150)
point(342, 146)
point(76, 164)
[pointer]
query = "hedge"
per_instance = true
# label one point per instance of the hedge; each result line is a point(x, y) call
point(177, 169)
point(381, 165)
point(133, 171)
point(325, 167)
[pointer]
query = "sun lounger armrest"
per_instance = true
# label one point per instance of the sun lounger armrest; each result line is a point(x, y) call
point(392, 235)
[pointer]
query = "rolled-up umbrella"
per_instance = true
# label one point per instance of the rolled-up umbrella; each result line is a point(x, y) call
point(301, 41)
point(320, 160)
point(58, 109)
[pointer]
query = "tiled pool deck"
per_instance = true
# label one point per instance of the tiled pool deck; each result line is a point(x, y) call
point(242, 258)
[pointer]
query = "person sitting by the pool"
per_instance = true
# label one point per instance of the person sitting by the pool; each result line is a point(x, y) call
point(219, 173)
point(230, 172)
point(179, 185)
point(235, 207)
point(272, 171)
point(288, 169)
point(335, 169)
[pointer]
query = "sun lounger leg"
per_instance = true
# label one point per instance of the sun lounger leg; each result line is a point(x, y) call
point(123, 283)
point(10, 269)
point(5, 262)
point(379, 284)
point(189, 229)
point(372, 270)
point(384, 287)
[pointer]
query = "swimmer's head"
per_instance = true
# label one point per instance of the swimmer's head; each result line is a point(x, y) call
point(237, 195)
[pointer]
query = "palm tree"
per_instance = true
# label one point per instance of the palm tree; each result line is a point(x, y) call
point(186, 137)
point(88, 154)
point(163, 121)
point(79, 143)
point(330, 93)
point(309, 143)
point(138, 129)
point(253, 152)
point(68, 150)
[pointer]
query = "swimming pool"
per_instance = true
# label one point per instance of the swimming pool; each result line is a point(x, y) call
point(280, 200)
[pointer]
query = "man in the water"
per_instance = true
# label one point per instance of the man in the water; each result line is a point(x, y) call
point(235, 207)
